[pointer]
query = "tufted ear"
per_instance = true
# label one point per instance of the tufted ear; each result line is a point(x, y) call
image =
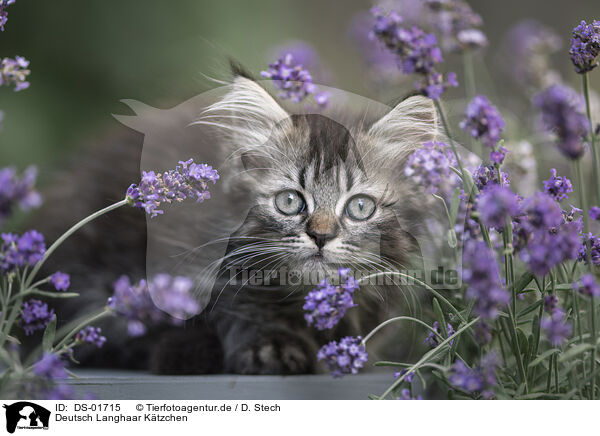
point(246, 113)
point(407, 126)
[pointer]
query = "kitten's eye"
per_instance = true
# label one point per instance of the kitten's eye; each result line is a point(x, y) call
point(289, 202)
point(360, 207)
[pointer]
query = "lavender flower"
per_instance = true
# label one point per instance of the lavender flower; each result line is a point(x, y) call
point(595, 213)
point(303, 54)
point(550, 238)
point(344, 357)
point(3, 14)
point(527, 51)
point(557, 186)
point(546, 249)
point(542, 212)
point(61, 281)
point(433, 340)
point(327, 304)
point(587, 286)
point(16, 252)
point(481, 379)
point(19, 191)
point(430, 167)
point(35, 315)
point(563, 113)
point(174, 295)
point(594, 243)
point(91, 335)
point(480, 273)
point(135, 301)
point(585, 46)
point(556, 328)
point(295, 82)
point(417, 52)
point(50, 366)
point(408, 378)
point(486, 176)
point(459, 25)
point(496, 204)
point(550, 303)
point(14, 72)
point(484, 122)
point(188, 180)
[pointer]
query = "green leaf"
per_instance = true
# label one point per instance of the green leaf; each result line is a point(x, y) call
point(55, 294)
point(523, 281)
point(373, 397)
point(574, 351)
point(523, 343)
point(451, 237)
point(49, 334)
point(529, 309)
point(454, 205)
point(542, 357)
point(439, 315)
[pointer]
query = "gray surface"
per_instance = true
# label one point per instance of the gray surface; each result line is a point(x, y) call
point(124, 385)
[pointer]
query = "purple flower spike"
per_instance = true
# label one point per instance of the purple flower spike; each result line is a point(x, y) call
point(431, 167)
point(61, 281)
point(433, 340)
point(136, 302)
point(556, 328)
point(562, 112)
point(594, 242)
point(3, 14)
point(91, 335)
point(480, 379)
point(187, 180)
point(294, 82)
point(17, 191)
point(585, 46)
point(496, 204)
point(595, 213)
point(480, 272)
point(483, 121)
point(326, 305)
point(344, 357)
point(487, 176)
point(35, 315)
point(14, 72)
point(557, 186)
point(50, 366)
point(417, 52)
point(16, 252)
point(587, 286)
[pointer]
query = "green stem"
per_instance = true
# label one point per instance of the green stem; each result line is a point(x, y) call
point(81, 325)
point(586, 226)
point(68, 233)
point(426, 357)
point(399, 318)
point(588, 108)
point(452, 145)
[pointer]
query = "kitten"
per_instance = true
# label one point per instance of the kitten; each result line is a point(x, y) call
point(300, 193)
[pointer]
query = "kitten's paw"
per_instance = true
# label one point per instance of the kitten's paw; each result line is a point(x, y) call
point(271, 355)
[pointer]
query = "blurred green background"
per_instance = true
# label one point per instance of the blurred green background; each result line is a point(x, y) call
point(87, 55)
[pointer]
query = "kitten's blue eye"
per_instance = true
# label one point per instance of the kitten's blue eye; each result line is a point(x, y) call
point(289, 202)
point(360, 207)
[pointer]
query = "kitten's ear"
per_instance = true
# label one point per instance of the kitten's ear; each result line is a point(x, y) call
point(247, 113)
point(407, 126)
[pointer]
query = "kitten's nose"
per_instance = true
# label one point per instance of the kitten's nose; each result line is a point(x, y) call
point(322, 227)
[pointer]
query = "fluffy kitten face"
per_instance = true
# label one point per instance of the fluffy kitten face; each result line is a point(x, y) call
point(324, 195)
